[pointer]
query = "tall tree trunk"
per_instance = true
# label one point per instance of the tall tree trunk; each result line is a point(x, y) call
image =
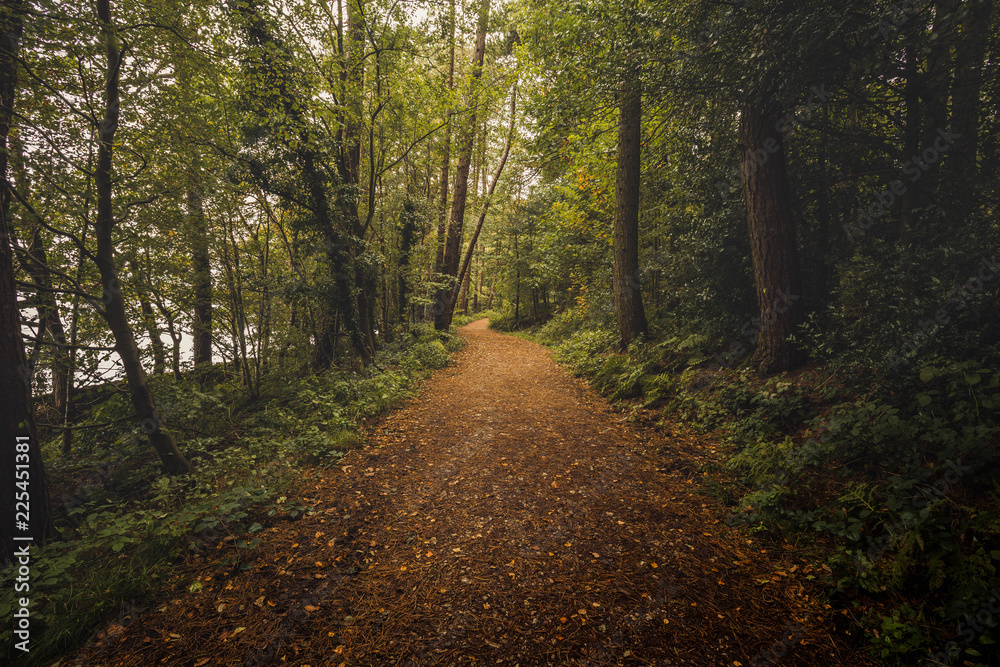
point(236, 307)
point(517, 283)
point(773, 245)
point(625, 237)
point(464, 298)
point(264, 312)
point(114, 303)
point(479, 287)
point(35, 264)
point(408, 239)
point(966, 95)
point(446, 153)
point(352, 79)
point(463, 274)
point(201, 323)
point(340, 307)
point(197, 228)
point(445, 305)
point(21, 467)
point(149, 322)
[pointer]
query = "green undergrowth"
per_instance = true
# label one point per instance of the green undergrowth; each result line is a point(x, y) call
point(896, 494)
point(461, 320)
point(124, 526)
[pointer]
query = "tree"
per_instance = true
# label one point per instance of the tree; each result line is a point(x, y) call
point(445, 306)
point(768, 86)
point(113, 309)
point(446, 150)
point(773, 245)
point(278, 113)
point(22, 472)
point(625, 272)
point(464, 274)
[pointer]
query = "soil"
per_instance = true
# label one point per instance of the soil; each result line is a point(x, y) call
point(507, 516)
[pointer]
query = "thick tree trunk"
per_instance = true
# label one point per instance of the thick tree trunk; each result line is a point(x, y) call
point(445, 303)
point(773, 245)
point(21, 467)
point(625, 240)
point(114, 303)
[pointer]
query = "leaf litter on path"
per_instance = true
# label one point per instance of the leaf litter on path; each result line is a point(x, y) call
point(506, 516)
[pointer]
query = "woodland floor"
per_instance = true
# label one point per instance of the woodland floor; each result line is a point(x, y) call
point(508, 516)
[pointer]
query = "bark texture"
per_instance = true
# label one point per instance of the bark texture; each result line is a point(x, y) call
point(772, 242)
point(626, 285)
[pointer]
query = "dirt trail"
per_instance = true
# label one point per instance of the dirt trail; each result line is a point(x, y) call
point(508, 516)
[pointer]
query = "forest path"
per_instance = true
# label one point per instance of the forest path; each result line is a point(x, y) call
point(508, 516)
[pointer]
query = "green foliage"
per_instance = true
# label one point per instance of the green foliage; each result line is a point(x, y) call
point(504, 321)
point(903, 494)
point(908, 492)
point(132, 523)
